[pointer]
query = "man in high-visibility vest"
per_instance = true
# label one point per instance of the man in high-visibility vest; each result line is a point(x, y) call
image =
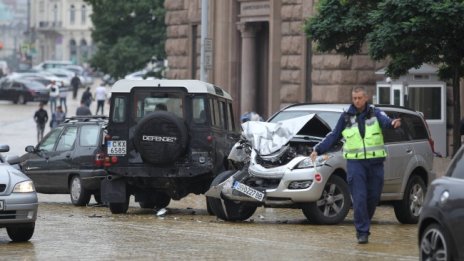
point(361, 128)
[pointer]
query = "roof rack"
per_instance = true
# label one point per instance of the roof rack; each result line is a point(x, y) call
point(85, 118)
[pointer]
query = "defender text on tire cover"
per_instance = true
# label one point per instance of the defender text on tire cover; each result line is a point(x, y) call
point(161, 137)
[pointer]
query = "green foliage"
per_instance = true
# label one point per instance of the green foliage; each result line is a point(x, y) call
point(407, 33)
point(128, 34)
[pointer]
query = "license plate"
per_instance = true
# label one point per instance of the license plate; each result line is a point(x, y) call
point(249, 191)
point(1, 204)
point(116, 147)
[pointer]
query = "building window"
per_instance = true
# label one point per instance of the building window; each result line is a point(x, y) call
point(83, 14)
point(73, 51)
point(41, 6)
point(55, 14)
point(72, 15)
point(427, 100)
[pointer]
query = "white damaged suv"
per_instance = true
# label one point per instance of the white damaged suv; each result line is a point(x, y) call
point(277, 171)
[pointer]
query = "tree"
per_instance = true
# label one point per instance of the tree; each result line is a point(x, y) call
point(407, 33)
point(128, 35)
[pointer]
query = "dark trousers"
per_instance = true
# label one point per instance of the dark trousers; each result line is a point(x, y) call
point(365, 179)
point(100, 104)
point(75, 91)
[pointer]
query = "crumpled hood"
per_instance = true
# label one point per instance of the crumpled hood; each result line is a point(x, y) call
point(269, 137)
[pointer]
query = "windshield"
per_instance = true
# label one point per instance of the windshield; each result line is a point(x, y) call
point(330, 117)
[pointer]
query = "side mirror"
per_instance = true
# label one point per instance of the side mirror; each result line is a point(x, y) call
point(30, 148)
point(4, 148)
point(12, 160)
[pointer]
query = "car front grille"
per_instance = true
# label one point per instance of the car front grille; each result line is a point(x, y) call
point(2, 187)
point(9, 214)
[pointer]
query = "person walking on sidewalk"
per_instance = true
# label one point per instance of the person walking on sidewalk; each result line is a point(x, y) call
point(57, 117)
point(361, 127)
point(87, 97)
point(54, 90)
point(63, 97)
point(40, 118)
point(100, 96)
point(75, 83)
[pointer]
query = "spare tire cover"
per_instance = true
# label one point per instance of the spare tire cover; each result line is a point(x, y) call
point(161, 138)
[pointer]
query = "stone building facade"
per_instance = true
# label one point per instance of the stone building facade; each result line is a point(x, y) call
point(61, 30)
point(260, 54)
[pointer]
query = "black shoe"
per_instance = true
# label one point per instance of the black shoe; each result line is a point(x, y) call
point(363, 239)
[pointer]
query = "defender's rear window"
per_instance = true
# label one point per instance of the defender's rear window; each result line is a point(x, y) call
point(170, 102)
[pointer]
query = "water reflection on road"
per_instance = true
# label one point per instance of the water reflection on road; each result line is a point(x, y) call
point(188, 232)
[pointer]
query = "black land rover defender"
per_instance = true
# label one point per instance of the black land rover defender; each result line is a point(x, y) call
point(166, 139)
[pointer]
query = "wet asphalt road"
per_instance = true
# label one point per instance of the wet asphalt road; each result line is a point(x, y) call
point(186, 232)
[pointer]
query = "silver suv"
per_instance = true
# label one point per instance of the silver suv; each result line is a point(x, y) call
point(287, 178)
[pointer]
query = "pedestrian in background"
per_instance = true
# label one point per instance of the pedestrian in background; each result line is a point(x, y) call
point(83, 110)
point(40, 118)
point(100, 96)
point(361, 127)
point(57, 117)
point(54, 90)
point(75, 83)
point(87, 97)
point(63, 97)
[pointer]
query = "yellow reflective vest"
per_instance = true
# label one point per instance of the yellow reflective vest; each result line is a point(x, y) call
point(370, 147)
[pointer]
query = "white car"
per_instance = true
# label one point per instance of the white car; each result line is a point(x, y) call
point(138, 75)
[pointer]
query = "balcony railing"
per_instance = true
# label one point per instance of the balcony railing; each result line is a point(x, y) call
point(50, 24)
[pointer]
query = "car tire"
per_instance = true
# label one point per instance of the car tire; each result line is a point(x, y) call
point(79, 195)
point(161, 200)
point(173, 135)
point(226, 209)
point(333, 205)
point(435, 242)
point(208, 207)
point(407, 210)
point(21, 233)
point(119, 208)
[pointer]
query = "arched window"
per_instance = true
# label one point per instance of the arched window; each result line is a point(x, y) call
point(73, 51)
point(72, 15)
point(83, 14)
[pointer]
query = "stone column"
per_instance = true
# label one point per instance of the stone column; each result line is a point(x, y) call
point(248, 73)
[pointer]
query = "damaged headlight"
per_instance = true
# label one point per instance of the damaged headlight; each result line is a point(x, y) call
point(308, 163)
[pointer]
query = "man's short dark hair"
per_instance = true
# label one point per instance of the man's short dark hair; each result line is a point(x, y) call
point(359, 89)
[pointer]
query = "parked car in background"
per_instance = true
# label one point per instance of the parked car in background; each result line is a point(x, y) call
point(441, 226)
point(139, 75)
point(22, 91)
point(69, 159)
point(288, 178)
point(84, 76)
point(52, 64)
point(64, 75)
point(18, 200)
